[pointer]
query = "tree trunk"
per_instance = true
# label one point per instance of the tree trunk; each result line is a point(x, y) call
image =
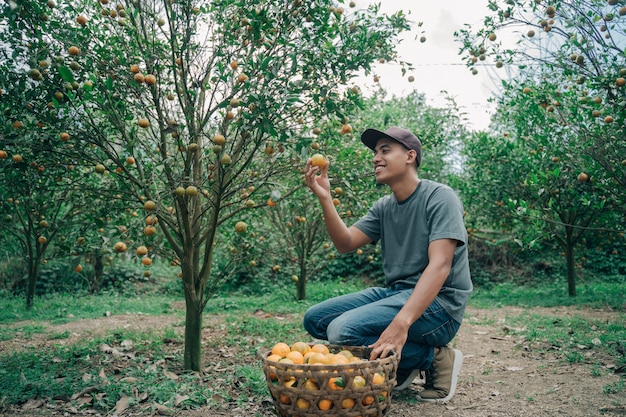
point(33, 273)
point(98, 272)
point(569, 255)
point(301, 286)
point(193, 332)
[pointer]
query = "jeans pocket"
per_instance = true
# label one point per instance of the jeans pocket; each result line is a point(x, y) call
point(443, 334)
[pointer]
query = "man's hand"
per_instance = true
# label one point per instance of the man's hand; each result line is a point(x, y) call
point(319, 184)
point(391, 340)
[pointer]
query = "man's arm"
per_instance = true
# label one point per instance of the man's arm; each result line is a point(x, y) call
point(344, 238)
point(440, 255)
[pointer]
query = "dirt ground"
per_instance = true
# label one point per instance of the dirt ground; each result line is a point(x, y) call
point(502, 374)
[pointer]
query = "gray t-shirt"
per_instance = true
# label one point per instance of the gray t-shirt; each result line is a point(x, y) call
point(405, 229)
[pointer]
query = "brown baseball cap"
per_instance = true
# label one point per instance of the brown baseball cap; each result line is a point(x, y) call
point(403, 136)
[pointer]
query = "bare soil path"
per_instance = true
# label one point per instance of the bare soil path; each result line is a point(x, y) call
point(502, 375)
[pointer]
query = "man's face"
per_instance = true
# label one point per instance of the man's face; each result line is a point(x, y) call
point(390, 160)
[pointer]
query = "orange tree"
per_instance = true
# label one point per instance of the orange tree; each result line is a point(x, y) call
point(33, 215)
point(187, 103)
point(556, 161)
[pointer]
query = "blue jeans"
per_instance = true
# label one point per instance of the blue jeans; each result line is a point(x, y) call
point(358, 319)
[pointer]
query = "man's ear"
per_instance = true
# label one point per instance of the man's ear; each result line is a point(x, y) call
point(412, 155)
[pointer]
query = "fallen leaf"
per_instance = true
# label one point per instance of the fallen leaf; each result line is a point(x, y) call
point(84, 400)
point(514, 368)
point(180, 399)
point(121, 404)
point(87, 390)
point(33, 404)
point(163, 410)
point(170, 375)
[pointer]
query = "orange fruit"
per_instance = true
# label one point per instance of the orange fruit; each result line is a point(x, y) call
point(308, 355)
point(378, 378)
point(321, 348)
point(291, 382)
point(358, 382)
point(219, 139)
point(149, 205)
point(318, 160)
point(336, 384)
point(281, 349)
point(347, 403)
point(311, 385)
point(339, 360)
point(317, 358)
point(241, 227)
point(325, 404)
point(346, 353)
point(284, 399)
point(296, 357)
point(120, 247)
point(303, 404)
point(146, 261)
point(301, 347)
point(367, 400)
point(274, 357)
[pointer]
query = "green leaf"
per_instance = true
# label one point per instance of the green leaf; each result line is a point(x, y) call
point(66, 73)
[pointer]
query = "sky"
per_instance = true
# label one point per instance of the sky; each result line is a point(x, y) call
point(438, 65)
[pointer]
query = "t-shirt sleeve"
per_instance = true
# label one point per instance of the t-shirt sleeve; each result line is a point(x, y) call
point(445, 217)
point(370, 223)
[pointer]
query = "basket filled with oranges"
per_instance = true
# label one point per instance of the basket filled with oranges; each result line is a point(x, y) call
point(314, 379)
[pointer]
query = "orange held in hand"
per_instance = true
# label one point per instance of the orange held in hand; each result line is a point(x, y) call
point(318, 160)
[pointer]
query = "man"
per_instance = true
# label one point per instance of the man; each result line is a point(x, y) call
point(424, 256)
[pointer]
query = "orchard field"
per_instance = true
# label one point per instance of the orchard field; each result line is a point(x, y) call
point(157, 148)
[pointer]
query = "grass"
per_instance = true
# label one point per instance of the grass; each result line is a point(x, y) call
point(152, 359)
point(599, 295)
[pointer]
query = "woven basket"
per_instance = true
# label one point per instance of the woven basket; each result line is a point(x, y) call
point(294, 397)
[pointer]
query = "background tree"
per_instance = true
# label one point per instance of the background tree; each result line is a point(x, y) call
point(560, 121)
point(184, 104)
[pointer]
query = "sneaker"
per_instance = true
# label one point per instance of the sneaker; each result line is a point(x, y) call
point(405, 378)
point(443, 376)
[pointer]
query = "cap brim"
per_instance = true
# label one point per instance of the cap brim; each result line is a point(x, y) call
point(371, 136)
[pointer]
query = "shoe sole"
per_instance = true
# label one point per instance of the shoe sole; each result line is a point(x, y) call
point(407, 382)
point(456, 370)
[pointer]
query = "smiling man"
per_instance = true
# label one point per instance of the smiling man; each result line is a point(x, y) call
point(424, 257)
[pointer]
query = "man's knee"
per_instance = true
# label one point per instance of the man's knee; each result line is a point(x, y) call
point(310, 323)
